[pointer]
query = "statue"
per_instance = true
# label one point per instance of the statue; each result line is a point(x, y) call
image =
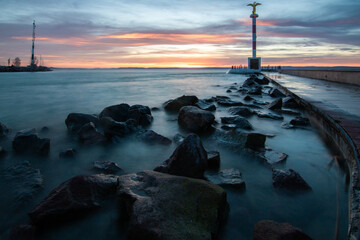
point(254, 6)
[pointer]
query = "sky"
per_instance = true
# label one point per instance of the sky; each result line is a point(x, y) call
point(187, 33)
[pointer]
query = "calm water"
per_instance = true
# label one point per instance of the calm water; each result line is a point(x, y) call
point(29, 100)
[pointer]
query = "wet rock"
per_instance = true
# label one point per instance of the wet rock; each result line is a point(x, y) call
point(238, 122)
point(288, 112)
point(277, 104)
point(286, 125)
point(151, 137)
point(113, 128)
point(3, 130)
point(189, 159)
point(256, 90)
point(227, 178)
point(300, 121)
point(276, 93)
point(23, 182)
point(271, 230)
point(233, 88)
point(290, 102)
point(262, 81)
point(75, 121)
point(140, 115)
point(255, 141)
point(107, 166)
point(228, 91)
point(260, 102)
point(44, 129)
point(202, 104)
point(229, 103)
point(155, 109)
point(273, 157)
point(76, 196)
point(248, 98)
point(22, 232)
point(289, 179)
point(176, 104)
point(68, 153)
point(241, 111)
point(178, 138)
point(269, 115)
point(166, 207)
point(89, 135)
point(27, 141)
point(250, 82)
point(2, 152)
point(213, 159)
point(194, 119)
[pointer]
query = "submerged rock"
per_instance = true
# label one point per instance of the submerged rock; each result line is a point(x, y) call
point(274, 92)
point(204, 105)
point(241, 111)
point(176, 104)
point(194, 119)
point(248, 98)
point(289, 179)
point(255, 141)
point(3, 130)
point(226, 178)
point(75, 121)
point(23, 182)
point(165, 207)
point(277, 104)
point(151, 137)
point(300, 121)
point(273, 157)
point(76, 196)
point(238, 122)
point(271, 230)
point(22, 232)
point(189, 159)
point(213, 159)
point(68, 153)
point(107, 166)
point(89, 135)
point(27, 141)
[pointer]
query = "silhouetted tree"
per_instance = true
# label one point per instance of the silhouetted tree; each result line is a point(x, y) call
point(17, 62)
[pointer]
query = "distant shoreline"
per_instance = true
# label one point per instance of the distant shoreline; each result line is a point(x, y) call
point(25, 69)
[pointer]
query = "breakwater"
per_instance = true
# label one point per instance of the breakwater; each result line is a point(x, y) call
point(24, 69)
point(341, 76)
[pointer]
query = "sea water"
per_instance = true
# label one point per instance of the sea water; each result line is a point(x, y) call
point(35, 100)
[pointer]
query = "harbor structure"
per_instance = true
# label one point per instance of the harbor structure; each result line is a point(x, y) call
point(33, 46)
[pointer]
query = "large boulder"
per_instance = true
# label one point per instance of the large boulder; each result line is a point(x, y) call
point(151, 137)
point(204, 105)
point(75, 121)
point(3, 130)
point(255, 141)
point(290, 102)
point(76, 196)
point(271, 230)
point(175, 104)
point(165, 207)
point(241, 111)
point(189, 159)
point(28, 141)
point(274, 92)
point(289, 179)
point(89, 135)
point(277, 104)
point(238, 122)
point(194, 119)
point(123, 112)
point(114, 128)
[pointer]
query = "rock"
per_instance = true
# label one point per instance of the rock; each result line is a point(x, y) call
point(89, 135)
point(248, 98)
point(289, 179)
point(3, 130)
point(22, 182)
point(155, 109)
point(256, 90)
point(113, 128)
point(255, 141)
point(107, 166)
point(140, 114)
point(189, 159)
point(262, 81)
point(289, 112)
point(44, 129)
point(176, 104)
point(151, 137)
point(249, 83)
point(76, 196)
point(241, 111)
point(165, 207)
point(277, 104)
point(178, 138)
point(202, 104)
point(300, 121)
point(213, 159)
point(22, 232)
point(238, 121)
point(290, 102)
point(286, 125)
point(229, 103)
point(269, 115)
point(227, 178)
point(274, 92)
point(273, 157)
point(260, 102)
point(75, 121)
point(68, 153)
point(270, 230)
point(194, 119)
point(233, 87)
point(2, 152)
point(27, 141)
point(228, 91)
point(218, 98)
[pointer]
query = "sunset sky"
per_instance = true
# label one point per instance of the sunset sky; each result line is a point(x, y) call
point(187, 33)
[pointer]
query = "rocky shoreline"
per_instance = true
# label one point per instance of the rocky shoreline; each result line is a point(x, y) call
point(178, 199)
point(25, 69)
